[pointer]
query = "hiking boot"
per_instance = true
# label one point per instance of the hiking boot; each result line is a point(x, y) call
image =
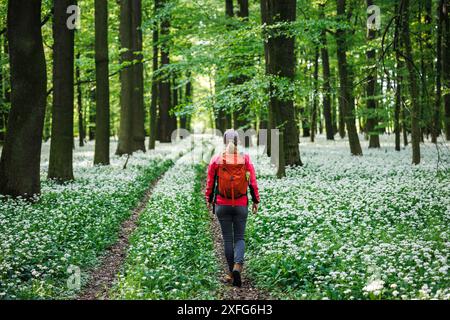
point(237, 269)
point(228, 279)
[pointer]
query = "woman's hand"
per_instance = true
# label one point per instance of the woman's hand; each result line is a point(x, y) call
point(209, 206)
point(255, 208)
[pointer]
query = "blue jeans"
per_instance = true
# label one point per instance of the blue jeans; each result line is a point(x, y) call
point(232, 222)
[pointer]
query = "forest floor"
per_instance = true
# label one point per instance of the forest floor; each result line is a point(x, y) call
point(340, 227)
point(102, 278)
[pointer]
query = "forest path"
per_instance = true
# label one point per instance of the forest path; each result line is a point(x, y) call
point(247, 291)
point(102, 277)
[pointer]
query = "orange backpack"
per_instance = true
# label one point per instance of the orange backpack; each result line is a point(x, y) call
point(232, 176)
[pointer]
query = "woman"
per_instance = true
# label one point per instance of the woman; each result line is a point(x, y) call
point(230, 175)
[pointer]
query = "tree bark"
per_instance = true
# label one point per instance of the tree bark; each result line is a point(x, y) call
point(155, 68)
point(92, 111)
point(446, 66)
point(413, 86)
point(427, 69)
point(101, 156)
point(371, 90)
point(326, 81)
point(281, 63)
point(243, 9)
point(61, 144)
point(4, 87)
point(229, 8)
point(138, 110)
point(436, 126)
point(125, 145)
point(346, 83)
point(20, 159)
point(240, 117)
point(166, 121)
point(81, 134)
point(188, 98)
point(316, 95)
point(398, 87)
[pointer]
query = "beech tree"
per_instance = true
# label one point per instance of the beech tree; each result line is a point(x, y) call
point(20, 159)
point(371, 90)
point(102, 118)
point(281, 63)
point(413, 84)
point(61, 145)
point(346, 81)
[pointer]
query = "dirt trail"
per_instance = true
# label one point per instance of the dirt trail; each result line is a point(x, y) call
point(102, 278)
point(248, 290)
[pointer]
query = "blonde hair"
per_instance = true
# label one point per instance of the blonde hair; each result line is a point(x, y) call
point(230, 139)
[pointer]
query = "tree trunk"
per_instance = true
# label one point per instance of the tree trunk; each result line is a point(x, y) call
point(264, 20)
point(304, 119)
point(398, 87)
point(426, 67)
point(334, 114)
point(61, 145)
point(166, 121)
point(92, 111)
point(372, 119)
point(316, 95)
point(101, 156)
point(243, 9)
point(229, 8)
point(346, 84)
point(326, 81)
point(446, 65)
point(188, 100)
point(174, 100)
point(436, 126)
point(415, 106)
point(398, 102)
point(81, 134)
point(20, 160)
point(125, 145)
point(281, 62)
point(154, 102)
point(4, 87)
point(138, 109)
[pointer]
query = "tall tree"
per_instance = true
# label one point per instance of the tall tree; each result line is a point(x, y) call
point(436, 126)
point(223, 119)
point(239, 116)
point(413, 83)
point(81, 134)
point(155, 67)
point(281, 64)
point(399, 80)
point(125, 145)
point(61, 145)
point(315, 95)
point(446, 65)
point(101, 156)
point(166, 119)
point(327, 114)
point(371, 89)
point(20, 160)
point(243, 9)
point(229, 11)
point(188, 98)
point(4, 87)
point(138, 116)
point(346, 80)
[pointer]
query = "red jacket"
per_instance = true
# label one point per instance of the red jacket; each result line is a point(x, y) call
point(242, 201)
